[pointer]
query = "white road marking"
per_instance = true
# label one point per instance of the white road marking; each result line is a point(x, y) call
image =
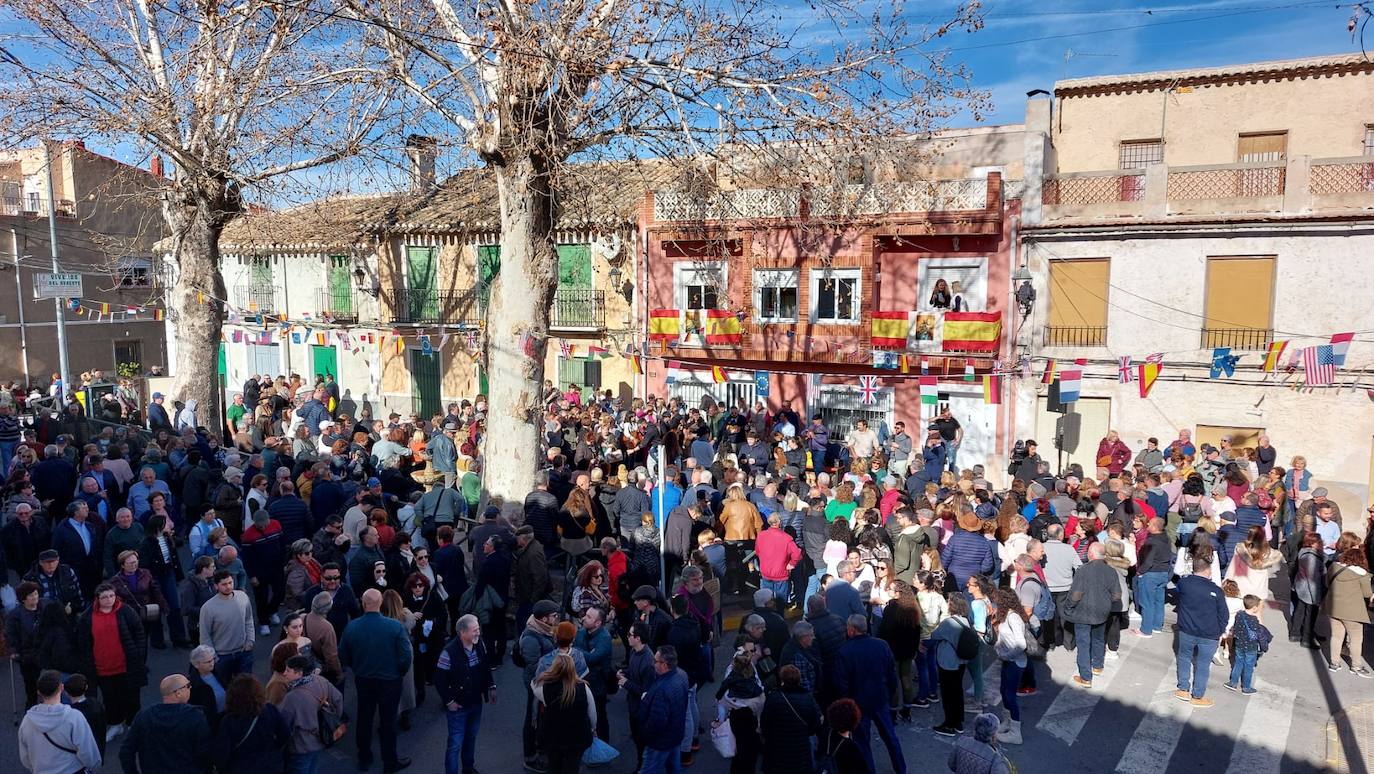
point(1263, 734)
point(1070, 709)
point(1154, 740)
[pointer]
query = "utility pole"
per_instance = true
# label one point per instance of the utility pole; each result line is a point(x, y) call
point(64, 369)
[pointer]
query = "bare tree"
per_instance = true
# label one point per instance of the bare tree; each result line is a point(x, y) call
point(532, 86)
point(236, 93)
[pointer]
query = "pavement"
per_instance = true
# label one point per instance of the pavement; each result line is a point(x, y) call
point(1304, 719)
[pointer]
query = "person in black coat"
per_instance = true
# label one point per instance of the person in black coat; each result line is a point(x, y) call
point(565, 726)
point(54, 480)
point(788, 725)
point(24, 538)
point(72, 548)
point(158, 555)
point(120, 690)
point(431, 627)
point(464, 687)
point(252, 734)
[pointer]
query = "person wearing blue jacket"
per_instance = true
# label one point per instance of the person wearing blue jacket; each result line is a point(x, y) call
point(378, 651)
point(314, 412)
point(968, 552)
point(1248, 513)
point(663, 714)
point(1201, 609)
point(866, 672)
point(670, 498)
point(934, 453)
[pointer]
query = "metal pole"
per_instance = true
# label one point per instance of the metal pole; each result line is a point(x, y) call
point(64, 369)
point(662, 557)
point(19, 299)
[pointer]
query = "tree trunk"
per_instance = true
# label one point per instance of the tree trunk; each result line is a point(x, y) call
point(519, 315)
point(196, 312)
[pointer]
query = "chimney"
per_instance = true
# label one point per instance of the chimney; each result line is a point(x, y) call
point(155, 166)
point(422, 151)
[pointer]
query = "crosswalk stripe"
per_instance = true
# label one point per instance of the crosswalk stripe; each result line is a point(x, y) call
point(1069, 711)
point(1154, 740)
point(1262, 738)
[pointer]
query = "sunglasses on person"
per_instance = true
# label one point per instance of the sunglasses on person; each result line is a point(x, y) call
point(331, 577)
point(418, 557)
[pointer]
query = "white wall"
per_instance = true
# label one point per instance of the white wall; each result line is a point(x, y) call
point(1155, 305)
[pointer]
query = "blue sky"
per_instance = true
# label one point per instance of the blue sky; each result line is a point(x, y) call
point(1018, 48)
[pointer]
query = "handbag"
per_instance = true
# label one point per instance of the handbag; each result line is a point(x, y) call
point(151, 613)
point(331, 724)
point(599, 754)
point(723, 739)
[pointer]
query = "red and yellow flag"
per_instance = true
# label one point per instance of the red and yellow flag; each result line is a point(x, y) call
point(992, 389)
point(890, 330)
point(718, 375)
point(972, 331)
point(663, 324)
point(723, 327)
point(1275, 354)
point(1147, 372)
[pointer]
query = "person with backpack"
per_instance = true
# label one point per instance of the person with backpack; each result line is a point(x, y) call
point(309, 700)
point(1038, 604)
point(440, 506)
point(1250, 639)
point(956, 644)
point(535, 642)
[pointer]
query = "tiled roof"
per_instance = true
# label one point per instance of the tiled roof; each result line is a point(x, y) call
point(336, 222)
point(1241, 72)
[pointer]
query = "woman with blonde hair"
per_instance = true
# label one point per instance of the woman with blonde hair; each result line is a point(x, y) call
point(568, 717)
point(1016, 542)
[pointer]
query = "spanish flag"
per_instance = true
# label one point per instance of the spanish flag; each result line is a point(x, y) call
point(1147, 372)
point(663, 324)
point(992, 389)
point(890, 329)
point(1275, 354)
point(718, 375)
point(400, 346)
point(972, 331)
point(723, 327)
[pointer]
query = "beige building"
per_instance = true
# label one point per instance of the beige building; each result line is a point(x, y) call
point(1191, 210)
point(107, 223)
point(351, 273)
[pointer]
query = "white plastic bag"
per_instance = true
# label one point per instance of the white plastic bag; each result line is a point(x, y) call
point(723, 739)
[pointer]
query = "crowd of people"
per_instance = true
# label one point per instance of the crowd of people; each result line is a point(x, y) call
point(886, 575)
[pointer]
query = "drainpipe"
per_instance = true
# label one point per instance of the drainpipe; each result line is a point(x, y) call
point(1009, 394)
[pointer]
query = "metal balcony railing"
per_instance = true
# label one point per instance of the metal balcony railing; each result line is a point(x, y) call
point(578, 308)
point(256, 298)
point(337, 305)
point(1237, 338)
point(33, 208)
point(410, 306)
point(1075, 335)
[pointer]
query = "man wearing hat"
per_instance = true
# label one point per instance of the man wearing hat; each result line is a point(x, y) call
point(490, 527)
point(443, 453)
point(57, 581)
point(1319, 498)
point(535, 642)
point(157, 415)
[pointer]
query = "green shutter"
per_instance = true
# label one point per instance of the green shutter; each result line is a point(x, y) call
point(340, 287)
point(574, 266)
point(261, 272)
point(425, 381)
point(421, 267)
point(488, 266)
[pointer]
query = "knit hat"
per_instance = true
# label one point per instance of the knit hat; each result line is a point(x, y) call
point(544, 607)
point(564, 634)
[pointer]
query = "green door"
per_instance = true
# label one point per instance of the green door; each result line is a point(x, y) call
point(325, 359)
point(339, 302)
point(421, 270)
point(488, 266)
point(424, 379)
point(574, 266)
point(261, 273)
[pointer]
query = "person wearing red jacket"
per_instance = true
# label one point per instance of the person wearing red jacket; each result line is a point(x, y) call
point(778, 554)
point(1113, 454)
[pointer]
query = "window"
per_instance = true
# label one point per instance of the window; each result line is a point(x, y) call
point(1078, 303)
point(582, 371)
point(835, 295)
point(775, 295)
point(1369, 139)
point(1135, 154)
point(1262, 146)
point(129, 353)
point(1239, 302)
point(951, 284)
point(698, 286)
point(841, 407)
point(134, 273)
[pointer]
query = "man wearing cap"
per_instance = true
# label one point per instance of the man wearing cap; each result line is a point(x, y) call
point(443, 454)
point(1319, 498)
point(532, 583)
point(442, 505)
point(1211, 468)
point(646, 610)
point(57, 581)
point(536, 641)
point(157, 415)
point(235, 413)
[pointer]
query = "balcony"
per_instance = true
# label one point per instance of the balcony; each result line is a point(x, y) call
point(336, 305)
point(919, 196)
point(1237, 338)
point(1299, 186)
point(256, 299)
point(409, 306)
point(578, 309)
point(36, 207)
point(1075, 335)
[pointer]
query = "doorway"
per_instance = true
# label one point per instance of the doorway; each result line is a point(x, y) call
point(424, 382)
point(325, 360)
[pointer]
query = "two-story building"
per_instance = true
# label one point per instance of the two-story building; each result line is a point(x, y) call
point(1191, 210)
point(352, 275)
point(780, 288)
point(107, 223)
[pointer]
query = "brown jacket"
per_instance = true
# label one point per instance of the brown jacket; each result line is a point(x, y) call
point(1347, 593)
point(740, 520)
point(324, 645)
